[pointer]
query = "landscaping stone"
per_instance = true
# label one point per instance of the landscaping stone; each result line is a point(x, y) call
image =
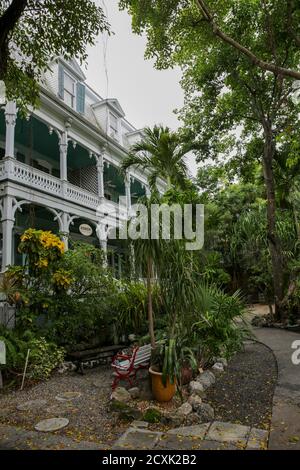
point(51, 425)
point(198, 431)
point(68, 396)
point(120, 394)
point(228, 432)
point(185, 409)
point(137, 439)
point(126, 412)
point(171, 441)
point(134, 392)
point(172, 419)
point(207, 379)
point(218, 367)
point(258, 439)
point(205, 412)
point(195, 401)
point(222, 360)
point(196, 388)
point(32, 405)
point(140, 424)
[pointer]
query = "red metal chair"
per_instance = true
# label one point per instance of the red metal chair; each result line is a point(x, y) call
point(126, 366)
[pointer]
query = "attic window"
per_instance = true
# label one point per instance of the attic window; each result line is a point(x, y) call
point(71, 90)
point(113, 124)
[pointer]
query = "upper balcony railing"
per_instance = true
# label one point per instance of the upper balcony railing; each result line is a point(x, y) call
point(41, 181)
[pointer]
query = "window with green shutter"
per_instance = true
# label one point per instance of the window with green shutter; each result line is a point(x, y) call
point(80, 98)
point(61, 81)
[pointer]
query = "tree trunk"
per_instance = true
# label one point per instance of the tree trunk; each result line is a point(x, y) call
point(273, 239)
point(8, 21)
point(150, 306)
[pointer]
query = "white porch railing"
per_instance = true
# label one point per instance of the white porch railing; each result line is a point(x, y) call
point(81, 196)
point(36, 179)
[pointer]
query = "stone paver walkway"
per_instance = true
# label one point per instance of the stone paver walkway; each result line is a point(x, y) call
point(13, 438)
point(285, 429)
point(208, 436)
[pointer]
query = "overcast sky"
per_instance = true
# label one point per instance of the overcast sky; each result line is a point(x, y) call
point(117, 69)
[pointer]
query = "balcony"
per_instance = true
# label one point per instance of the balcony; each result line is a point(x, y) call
point(36, 179)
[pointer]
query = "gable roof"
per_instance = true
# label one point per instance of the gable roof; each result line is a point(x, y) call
point(74, 67)
point(112, 103)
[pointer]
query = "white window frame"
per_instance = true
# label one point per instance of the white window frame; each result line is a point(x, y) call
point(74, 99)
point(113, 132)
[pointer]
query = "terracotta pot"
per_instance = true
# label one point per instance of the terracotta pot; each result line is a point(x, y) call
point(161, 392)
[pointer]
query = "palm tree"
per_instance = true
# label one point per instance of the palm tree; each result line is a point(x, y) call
point(148, 255)
point(162, 154)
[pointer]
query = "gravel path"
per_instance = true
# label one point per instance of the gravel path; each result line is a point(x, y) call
point(88, 414)
point(244, 392)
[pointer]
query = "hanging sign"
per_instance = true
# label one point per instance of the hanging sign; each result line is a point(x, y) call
point(86, 230)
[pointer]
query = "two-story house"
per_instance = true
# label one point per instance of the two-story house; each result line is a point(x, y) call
point(60, 163)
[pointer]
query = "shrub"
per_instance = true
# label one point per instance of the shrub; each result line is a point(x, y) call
point(44, 356)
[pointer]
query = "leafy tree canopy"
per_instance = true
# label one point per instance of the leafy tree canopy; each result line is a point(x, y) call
point(32, 32)
point(168, 22)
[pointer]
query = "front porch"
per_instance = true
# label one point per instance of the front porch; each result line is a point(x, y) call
point(45, 170)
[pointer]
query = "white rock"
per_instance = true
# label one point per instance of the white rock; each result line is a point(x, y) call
point(195, 401)
point(196, 388)
point(207, 379)
point(185, 409)
point(121, 394)
point(218, 367)
point(51, 425)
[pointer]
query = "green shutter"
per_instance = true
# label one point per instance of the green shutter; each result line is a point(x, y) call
point(61, 81)
point(80, 98)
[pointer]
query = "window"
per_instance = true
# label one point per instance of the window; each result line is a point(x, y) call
point(69, 90)
point(113, 123)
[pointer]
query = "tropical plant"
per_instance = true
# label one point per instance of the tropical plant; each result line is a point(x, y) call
point(162, 155)
point(44, 356)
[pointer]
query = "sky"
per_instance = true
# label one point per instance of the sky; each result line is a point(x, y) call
point(117, 69)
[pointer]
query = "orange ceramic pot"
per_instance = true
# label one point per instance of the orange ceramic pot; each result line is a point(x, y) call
point(161, 392)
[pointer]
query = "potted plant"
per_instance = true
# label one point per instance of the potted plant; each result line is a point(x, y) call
point(164, 370)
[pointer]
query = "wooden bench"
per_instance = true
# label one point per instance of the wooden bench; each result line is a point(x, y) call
point(93, 356)
point(126, 366)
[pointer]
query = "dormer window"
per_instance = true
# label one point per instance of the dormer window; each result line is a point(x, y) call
point(71, 90)
point(113, 126)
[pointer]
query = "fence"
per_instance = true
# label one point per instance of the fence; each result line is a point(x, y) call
point(7, 315)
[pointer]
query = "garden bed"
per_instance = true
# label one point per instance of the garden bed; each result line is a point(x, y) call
point(244, 392)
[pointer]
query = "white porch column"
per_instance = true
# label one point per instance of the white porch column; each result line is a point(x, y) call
point(63, 150)
point(102, 234)
point(128, 191)
point(8, 221)
point(148, 192)
point(100, 174)
point(65, 229)
point(10, 119)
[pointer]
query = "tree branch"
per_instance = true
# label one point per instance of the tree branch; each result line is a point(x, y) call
point(8, 21)
point(232, 42)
